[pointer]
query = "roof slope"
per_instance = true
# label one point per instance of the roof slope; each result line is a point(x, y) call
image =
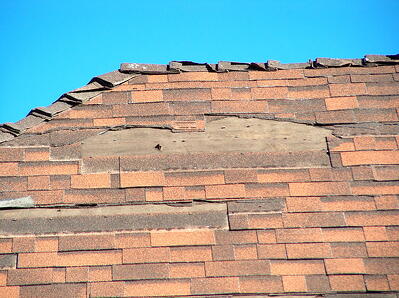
point(201, 180)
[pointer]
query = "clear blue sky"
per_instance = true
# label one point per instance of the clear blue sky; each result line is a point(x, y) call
point(50, 47)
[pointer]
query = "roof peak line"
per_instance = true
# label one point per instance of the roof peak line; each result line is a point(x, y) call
point(270, 65)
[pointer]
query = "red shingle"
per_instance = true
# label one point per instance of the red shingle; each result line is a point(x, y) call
point(265, 221)
point(294, 283)
point(308, 251)
point(342, 234)
point(38, 183)
point(319, 188)
point(237, 268)
point(281, 74)
point(374, 218)
point(193, 76)
point(347, 283)
point(376, 283)
point(245, 252)
point(142, 179)
point(299, 235)
point(270, 93)
point(186, 270)
point(48, 259)
point(288, 175)
point(272, 251)
point(146, 255)
point(147, 96)
point(383, 249)
point(261, 284)
point(296, 267)
point(130, 240)
point(35, 276)
point(320, 219)
point(225, 191)
point(258, 106)
point(223, 252)
point(157, 288)
point(194, 178)
point(345, 266)
point(6, 245)
point(86, 242)
point(191, 254)
point(348, 89)
point(102, 180)
point(177, 238)
point(218, 285)
point(308, 92)
point(375, 233)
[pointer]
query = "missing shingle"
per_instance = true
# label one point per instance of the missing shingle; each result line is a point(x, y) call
point(228, 134)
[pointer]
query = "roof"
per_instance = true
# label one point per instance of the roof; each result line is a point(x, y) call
point(203, 180)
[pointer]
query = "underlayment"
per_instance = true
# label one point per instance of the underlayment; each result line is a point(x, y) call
point(229, 134)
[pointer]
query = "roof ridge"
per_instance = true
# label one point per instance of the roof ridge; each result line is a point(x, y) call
point(127, 71)
point(270, 65)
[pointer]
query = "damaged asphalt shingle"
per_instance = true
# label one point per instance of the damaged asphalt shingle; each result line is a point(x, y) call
point(128, 71)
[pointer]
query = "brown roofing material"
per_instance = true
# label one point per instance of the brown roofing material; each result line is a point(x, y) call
point(196, 179)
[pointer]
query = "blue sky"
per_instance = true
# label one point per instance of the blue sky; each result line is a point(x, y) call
point(51, 47)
